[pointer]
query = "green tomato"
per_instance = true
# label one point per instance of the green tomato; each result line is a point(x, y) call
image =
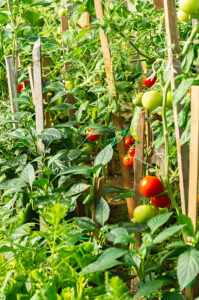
point(143, 213)
point(183, 17)
point(68, 85)
point(87, 148)
point(156, 210)
point(169, 100)
point(189, 6)
point(62, 12)
point(138, 100)
point(152, 100)
point(163, 210)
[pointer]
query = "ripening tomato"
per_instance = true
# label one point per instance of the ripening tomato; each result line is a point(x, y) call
point(161, 201)
point(92, 137)
point(189, 93)
point(86, 27)
point(149, 82)
point(143, 213)
point(129, 141)
point(190, 6)
point(19, 87)
point(26, 82)
point(131, 152)
point(128, 161)
point(152, 100)
point(150, 186)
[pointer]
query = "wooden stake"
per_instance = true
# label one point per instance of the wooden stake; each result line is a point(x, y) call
point(117, 120)
point(12, 85)
point(175, 69)
point(37, 78)
point(194, 157)
point(139, 157)
point(158, 4)
point(30, 72)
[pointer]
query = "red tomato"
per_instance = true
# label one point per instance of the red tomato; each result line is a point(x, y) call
point(148, 82)
point(25, 82)
point(142, 81)
point(131, 152)
point(92, 137)
point(161, 201)
point(129, 141)
point(19, 87)
point(103, 122)
point(88, 188)
point(86, 27)
point(150, 186)
point(128, 161)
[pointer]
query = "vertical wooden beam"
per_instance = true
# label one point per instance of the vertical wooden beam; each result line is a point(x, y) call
point(30, 73)
point(117, 120)
point(37, 78)
point(194, 157)
point(12, 85)
point(175, 69)
point(139, 157)
point(158, 4)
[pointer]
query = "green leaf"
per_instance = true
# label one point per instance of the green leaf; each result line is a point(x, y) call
point(188, 60)
point(106, 261)
point(102, 211)
point(158, 221)
point(188, 230)
point(186, 134)
point(49, 135)
point(183, 88)
point(173, 296)
point(85, 223)
point(134, 122)
point(150, 287)
point(62, 106)
point(165, 234)
point(28, 174)
point(45, 293)
point(15, 183)
point(104, 156)
point(187, 267)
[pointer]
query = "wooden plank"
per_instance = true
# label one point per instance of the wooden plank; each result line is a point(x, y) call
point(30, 72)
point(194, 157)
point(175, 69)
point(37, 78)
point(84, 19)
point(117, 120)
point(139, 157)
point(12, 85)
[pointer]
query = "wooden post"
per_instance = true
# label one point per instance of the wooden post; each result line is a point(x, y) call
point(30, 72)
point(12, 85)
point(139, 157)
point(117, 120)
point(158, 4)
point(84, 19)
point(70, 98)
point(175, 69)
point(37, 78)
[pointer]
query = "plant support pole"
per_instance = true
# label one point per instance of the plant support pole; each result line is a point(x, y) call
point(175, 69)
point(117, 120)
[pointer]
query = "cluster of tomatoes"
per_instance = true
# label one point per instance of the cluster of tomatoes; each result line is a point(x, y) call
point(21, 85)
point(128, 159)
point(151, 187)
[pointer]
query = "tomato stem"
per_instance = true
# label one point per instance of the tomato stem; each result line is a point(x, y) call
point(190, 40)
point(166, 142)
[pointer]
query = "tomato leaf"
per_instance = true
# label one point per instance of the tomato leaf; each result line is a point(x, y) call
point(187, 267)
point(104, 156)
point(183, 88)
point(165, 234)
point(188, 230)
point(102, 211)
point(28, 174)
point(134, 122)
point(150, 287)
point(158, 221)
point(173, 296)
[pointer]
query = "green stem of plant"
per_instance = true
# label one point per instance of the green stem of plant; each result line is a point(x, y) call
point(166, 142)
point(190, 40)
